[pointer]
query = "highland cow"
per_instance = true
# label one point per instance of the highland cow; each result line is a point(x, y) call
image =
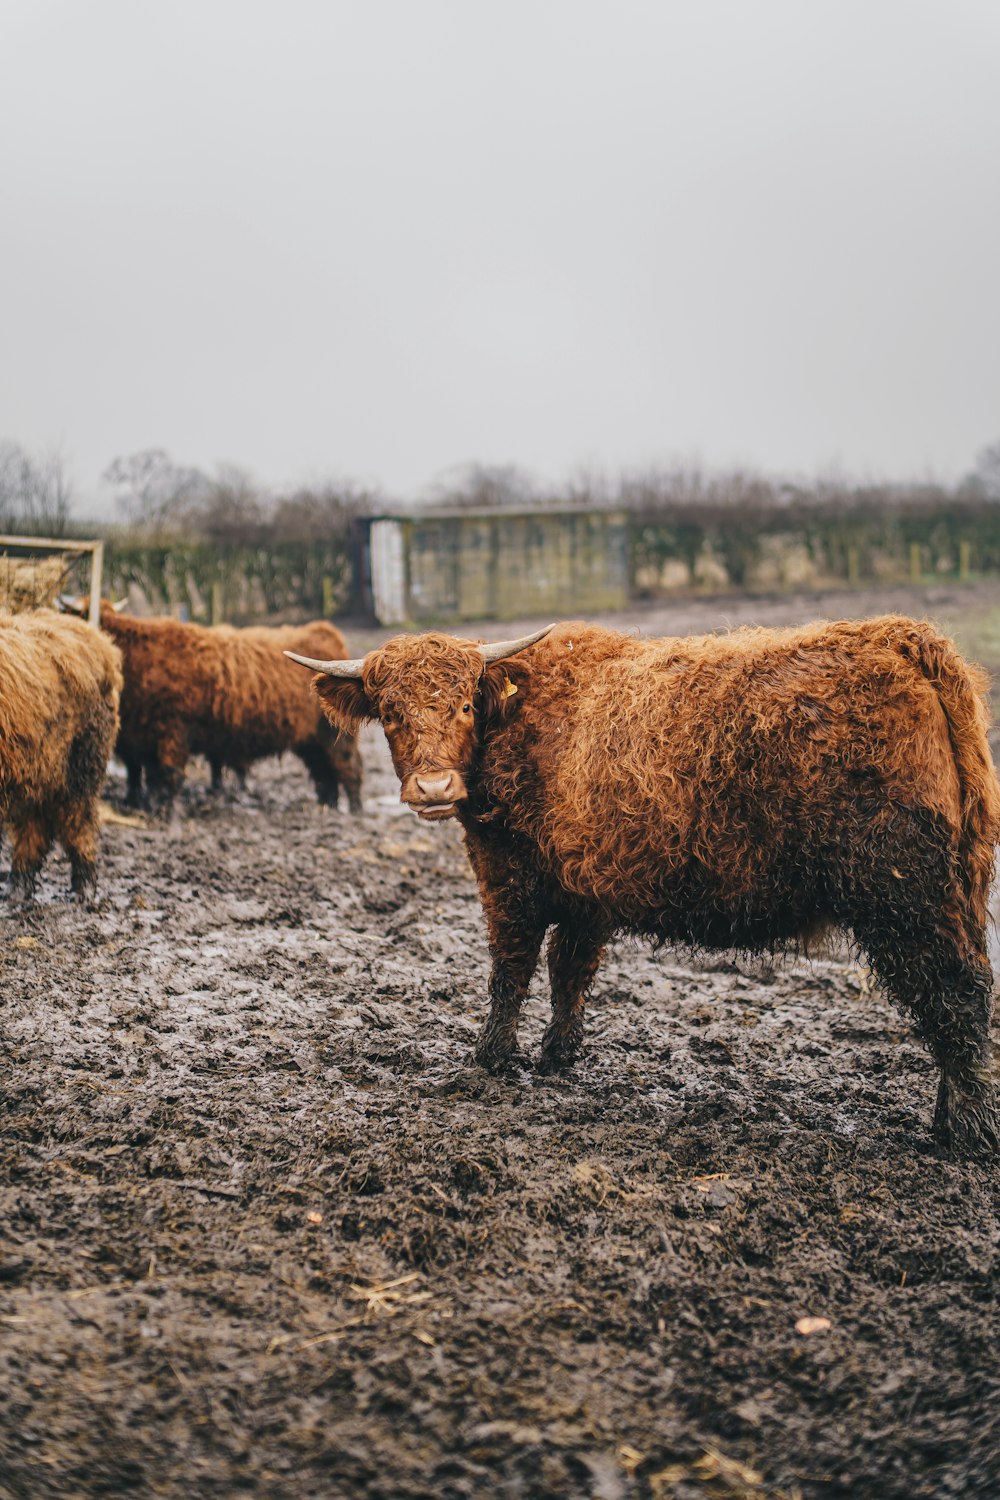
point(331, 756)
point(222, 693)
point(60, 682)
point(727, 792)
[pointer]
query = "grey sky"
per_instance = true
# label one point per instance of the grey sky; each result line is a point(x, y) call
point(384, 237)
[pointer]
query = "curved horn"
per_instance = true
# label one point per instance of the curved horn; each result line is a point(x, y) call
point(499, 649)
point(330, 668)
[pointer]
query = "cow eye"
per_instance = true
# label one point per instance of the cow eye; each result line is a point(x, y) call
point(466, 708)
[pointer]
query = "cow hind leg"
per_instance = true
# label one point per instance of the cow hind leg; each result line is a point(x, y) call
point(947, 987)
point(31, 839)
point(78, 834)
point(575, 951)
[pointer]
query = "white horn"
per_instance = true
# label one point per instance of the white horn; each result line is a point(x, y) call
point(499, 649)
point(331, 668)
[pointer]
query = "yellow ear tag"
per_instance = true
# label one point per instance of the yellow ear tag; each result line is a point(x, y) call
point(509, 688)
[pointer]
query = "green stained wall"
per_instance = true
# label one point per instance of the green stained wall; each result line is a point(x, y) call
point(504, 565)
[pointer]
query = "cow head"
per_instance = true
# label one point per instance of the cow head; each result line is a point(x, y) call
point(433, 695)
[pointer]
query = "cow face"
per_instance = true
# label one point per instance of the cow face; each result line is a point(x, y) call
point(433, 695)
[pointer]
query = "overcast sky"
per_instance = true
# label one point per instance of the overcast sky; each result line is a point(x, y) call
point(379, 238)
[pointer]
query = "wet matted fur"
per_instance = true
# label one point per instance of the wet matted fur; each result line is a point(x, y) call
point(60, 682)
point(734, 791)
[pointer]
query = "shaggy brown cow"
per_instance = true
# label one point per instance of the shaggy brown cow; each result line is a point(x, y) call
point(737, 791)
point(331, 756)
point(60, 682)
point(194, 690)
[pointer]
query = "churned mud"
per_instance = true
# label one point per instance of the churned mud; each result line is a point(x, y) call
point(266, 1230)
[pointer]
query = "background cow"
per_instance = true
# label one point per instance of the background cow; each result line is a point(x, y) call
point(330, 755)
point(60, 682)
point(736, 791)
point(223, 693)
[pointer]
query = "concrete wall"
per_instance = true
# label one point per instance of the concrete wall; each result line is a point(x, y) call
point(498, 564)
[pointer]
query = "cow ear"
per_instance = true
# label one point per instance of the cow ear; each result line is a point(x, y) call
point(344, 700)
point(501, 687)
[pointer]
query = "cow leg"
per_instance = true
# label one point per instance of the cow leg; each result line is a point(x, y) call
point(346, 758)
point(325, 780)
point(517, 914)
point(166, 773)
point(215, 766)
point(575, 951)
point(514, 949)
point(78, 834)
point(133, 770)
point(31, 839)
point(947, 987)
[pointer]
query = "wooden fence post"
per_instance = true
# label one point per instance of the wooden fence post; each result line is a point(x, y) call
point(853, 568)
point(915, 569)
point(327, 596)
point(217, 601)
point(964, 560)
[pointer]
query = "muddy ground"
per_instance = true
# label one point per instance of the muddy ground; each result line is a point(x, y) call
point(266, 1230)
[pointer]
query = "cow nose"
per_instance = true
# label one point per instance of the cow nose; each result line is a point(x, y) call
point(436, 788)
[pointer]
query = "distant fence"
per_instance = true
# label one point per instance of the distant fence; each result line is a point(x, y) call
point(508, 564)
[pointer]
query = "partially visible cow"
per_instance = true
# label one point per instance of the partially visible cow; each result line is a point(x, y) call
point(331, 756)
point(224, 693)
point(60, 682)
point(729, 792)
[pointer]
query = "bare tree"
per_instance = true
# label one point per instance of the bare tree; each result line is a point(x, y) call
point(232, 509)
point(152, 491)
point(35, 493)
point(486, 487)
point(985, 477)
point(318, 515)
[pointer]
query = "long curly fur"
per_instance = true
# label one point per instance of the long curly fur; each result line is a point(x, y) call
point(284, 714)
point(60, 682)
point(733, 791)
point(227, 694)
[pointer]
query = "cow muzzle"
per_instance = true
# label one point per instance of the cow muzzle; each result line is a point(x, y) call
point(432, 794)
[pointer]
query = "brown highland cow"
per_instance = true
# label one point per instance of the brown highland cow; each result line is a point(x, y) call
point(60, 682)
point(224, 693)
point(331, 756)
point(729, 792)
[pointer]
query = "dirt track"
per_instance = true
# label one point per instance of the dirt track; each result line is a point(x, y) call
point(267, 1231)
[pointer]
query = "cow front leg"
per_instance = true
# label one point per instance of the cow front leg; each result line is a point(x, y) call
point(515, 942)
point(575, 951)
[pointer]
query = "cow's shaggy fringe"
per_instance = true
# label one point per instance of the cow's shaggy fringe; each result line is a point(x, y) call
point(737, 791)
point(60, 682)
point(227, 694)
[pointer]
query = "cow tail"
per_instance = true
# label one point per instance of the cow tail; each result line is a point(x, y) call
point(961, 688)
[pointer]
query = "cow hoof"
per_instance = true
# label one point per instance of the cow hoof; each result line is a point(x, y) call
point(557, 1059)
point(967, 1124)
point(499, 1061)
point(560, 1049)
